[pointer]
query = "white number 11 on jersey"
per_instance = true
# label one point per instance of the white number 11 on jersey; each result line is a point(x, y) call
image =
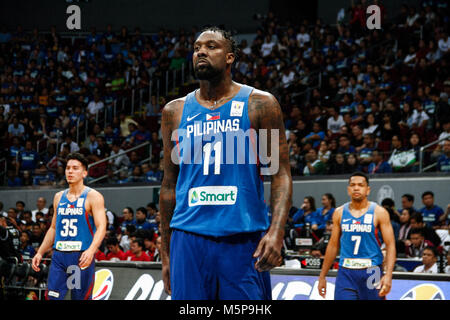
point(217, 156)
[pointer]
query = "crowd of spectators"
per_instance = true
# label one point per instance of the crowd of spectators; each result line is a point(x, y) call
point(352, 98)
point(135, 234)
point(419, 233)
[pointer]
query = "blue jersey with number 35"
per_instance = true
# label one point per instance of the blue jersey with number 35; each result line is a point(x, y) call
point(219, 191)
point(75, 228)
point(360, 247)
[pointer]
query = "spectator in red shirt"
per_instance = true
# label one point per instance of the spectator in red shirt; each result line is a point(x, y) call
point(115, 253)
point(137, 250)
point(99, 255)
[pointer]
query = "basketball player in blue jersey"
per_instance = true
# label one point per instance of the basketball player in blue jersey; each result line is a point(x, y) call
point(355, 232)
point(77, 230)
point(217, 241)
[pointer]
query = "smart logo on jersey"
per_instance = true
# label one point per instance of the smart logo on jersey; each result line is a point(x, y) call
point(104, 281)
point(425, 291)
point(194, 197)
point(213, 195)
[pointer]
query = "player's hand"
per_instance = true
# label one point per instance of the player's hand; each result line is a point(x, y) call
point(166, 277)
point(268, 252)
point(36, 261)
point(385, 286)
point(322, 287)
point(86, 259)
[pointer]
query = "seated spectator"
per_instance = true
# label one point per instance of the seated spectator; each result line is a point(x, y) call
point(338, 165)
point(378, 165)
point(26, 249)
point(371, 126)
point(306, 215)
point(313, 164)
point(114, 251)
point(128, 218)
point(429, 233)
point(326, 211)
point(443, 162)
point(141, 219)
point(429, 260)
point(365, 152)
point(344, 145)
point(16, 129)
point(125, 238)
point(70, 143)
point(43, 177)
point(405, 226)
point(315, 136)
point(335, 121)
point(157, 253)
point(95, 106)
point(120, 161)
point(137, 251)
point(352, 164)
point(324, 153)
point(417, 244)
point(40, 207)
point(28, 158)
point(37, 236)
point(431, 212)
point(296, 159)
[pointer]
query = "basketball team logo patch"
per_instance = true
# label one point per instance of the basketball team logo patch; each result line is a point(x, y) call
point(236, 108)
point(104, 281)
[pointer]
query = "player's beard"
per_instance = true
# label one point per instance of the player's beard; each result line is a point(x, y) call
point(206, 72)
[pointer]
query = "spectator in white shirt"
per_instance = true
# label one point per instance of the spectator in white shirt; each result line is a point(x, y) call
point(72, 144)
point(120, 161)
point(335, 121)
point(95, 105)
point(419, 117)
point(267, 46)
point(303, 37)
point(429, 259)
point(40, 204)
point(444, 43)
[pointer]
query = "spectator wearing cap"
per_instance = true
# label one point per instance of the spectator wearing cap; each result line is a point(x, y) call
point(430, 212)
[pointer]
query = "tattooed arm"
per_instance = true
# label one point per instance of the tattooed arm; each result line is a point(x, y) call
point(170, 120)
point(265, 113)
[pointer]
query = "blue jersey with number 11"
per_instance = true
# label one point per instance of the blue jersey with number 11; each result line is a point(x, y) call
point(219, 190)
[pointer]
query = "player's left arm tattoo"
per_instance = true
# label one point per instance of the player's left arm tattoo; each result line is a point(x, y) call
point(266, 114)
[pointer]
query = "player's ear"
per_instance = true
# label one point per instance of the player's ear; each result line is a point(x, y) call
point(230, 58)
point(368, 190)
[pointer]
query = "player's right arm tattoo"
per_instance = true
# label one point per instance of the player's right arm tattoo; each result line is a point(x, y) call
point(167, 191)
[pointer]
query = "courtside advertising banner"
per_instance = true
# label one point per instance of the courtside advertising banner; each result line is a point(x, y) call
point(143, 281)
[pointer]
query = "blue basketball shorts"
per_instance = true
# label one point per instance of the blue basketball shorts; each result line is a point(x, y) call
point(65, 274)
point(357, 284)
point(222, 268)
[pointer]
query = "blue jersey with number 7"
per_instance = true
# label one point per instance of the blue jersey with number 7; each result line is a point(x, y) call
point(359, 242)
